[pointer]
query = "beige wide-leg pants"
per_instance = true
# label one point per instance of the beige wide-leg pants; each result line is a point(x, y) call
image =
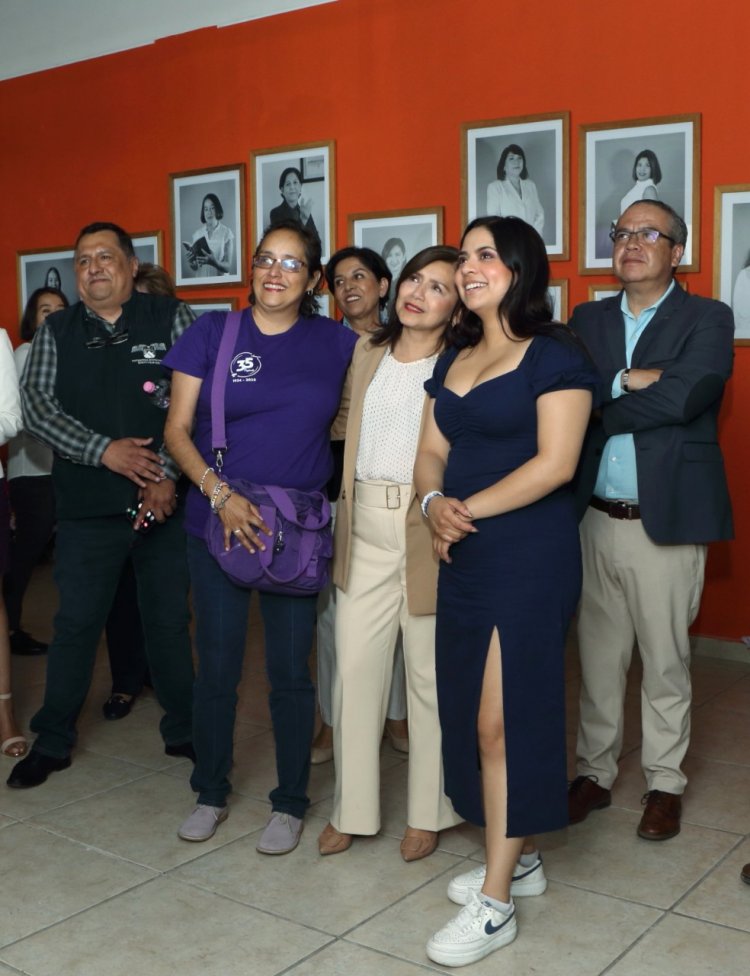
point(368, 617)
point(635, 591)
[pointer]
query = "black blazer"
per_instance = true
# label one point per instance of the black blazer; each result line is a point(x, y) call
point(682, 487)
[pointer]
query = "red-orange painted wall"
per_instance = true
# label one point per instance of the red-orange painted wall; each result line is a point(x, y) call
point(390, 81)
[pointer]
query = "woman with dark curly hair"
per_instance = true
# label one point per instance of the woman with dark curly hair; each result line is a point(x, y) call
point(512, 400)
point(279, 413)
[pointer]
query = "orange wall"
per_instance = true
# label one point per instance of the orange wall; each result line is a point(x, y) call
point(390, 81)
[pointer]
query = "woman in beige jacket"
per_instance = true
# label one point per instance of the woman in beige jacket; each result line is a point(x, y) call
point(384, 567)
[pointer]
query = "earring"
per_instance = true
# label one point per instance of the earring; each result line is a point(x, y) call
point(309, 292)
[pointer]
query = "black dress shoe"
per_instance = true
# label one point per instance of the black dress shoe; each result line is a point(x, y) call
point(117, 706)
point(34, 770)
point(745, 874)
point(184, 749)
point(23, 643)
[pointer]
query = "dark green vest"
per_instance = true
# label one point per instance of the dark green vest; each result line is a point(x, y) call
point(103, 389)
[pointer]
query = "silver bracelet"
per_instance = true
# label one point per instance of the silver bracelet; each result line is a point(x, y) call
point(222, 501)
point(203, 480)
point(428, 498)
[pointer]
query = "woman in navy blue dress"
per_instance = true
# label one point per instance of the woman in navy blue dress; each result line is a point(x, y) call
point(512, 399)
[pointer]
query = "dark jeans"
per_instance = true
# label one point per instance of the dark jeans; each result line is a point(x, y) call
point(221, 617)
point(89, 561)
point(33, 502)
point(125, 640)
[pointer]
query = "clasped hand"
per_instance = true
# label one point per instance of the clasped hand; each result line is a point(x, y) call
point(130, 457)
point(242, 520)
point(450, 521)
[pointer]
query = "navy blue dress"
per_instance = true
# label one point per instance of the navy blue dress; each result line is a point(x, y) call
point(520, 573)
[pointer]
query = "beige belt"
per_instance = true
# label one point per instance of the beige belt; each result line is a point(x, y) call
point(381, 495)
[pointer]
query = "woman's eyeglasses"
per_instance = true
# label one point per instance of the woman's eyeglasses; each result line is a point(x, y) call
point(99, 342)
point(646, 235)
point(266, 262)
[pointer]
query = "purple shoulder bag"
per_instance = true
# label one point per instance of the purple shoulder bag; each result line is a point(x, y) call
point(298, 554)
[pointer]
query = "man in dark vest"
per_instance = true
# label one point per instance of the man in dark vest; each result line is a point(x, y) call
point(83, 396)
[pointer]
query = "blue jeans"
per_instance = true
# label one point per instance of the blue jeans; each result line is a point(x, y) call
point(221, 616)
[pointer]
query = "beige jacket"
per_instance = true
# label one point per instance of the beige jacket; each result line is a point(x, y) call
point(421, 562)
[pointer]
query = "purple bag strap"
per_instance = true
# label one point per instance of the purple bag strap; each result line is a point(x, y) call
point(218, 386)
point(282, 501)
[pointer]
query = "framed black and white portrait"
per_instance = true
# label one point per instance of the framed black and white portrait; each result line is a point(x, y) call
point(48, 268)
point(599, 292)
point(201, 306)
point(622, 163)
point(294, 183)
point(732, 255)
point(397, 235)
point(148, 246)
point(519, 168)
point(208, 235)
point(558, 293)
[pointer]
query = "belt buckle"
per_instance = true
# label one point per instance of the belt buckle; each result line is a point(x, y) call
point(622, 510)
point(393, 496)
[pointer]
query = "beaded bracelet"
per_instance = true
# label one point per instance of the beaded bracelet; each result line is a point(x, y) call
point(222, 501)
point(216, 492)
point(203, 480)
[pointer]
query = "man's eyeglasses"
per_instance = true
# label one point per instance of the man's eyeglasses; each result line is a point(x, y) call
point(646, 235)
point(266, 262)
point(99, 342)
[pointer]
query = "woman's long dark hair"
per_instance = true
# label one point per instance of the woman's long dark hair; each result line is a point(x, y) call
point(526, 306)
point(391, 330)
point(28, 319)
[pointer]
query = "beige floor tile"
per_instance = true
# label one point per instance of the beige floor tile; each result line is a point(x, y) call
point(135, 738)
point(140, 820)
point(344, 959)
point(722, 897)
point(713, 680)
point(686, 947)
point(560, 933)
point(54, 878)
point(720, 734)
point(330, 893)
point(88, 775)
point(169, 929)
point(736, 698)
point(605, 854)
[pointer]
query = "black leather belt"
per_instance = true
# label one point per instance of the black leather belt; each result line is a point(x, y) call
point(616, 509)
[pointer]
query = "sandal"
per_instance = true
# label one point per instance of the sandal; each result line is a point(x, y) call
point(18, 741)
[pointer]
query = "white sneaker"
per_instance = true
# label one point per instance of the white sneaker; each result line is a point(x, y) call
point(202, 822)
point(526, 881)
point(474, 933)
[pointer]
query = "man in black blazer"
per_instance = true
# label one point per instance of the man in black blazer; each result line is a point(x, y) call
point(652, 493)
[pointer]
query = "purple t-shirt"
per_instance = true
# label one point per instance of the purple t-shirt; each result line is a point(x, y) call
point(282, 394)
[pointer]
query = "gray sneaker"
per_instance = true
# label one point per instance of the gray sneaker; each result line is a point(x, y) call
point(202, 822)
point(281, 835)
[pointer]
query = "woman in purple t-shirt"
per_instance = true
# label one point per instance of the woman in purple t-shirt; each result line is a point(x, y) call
point(282, 394)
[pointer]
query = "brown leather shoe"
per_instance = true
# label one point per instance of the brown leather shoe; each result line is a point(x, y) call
point(418, 844)
point(585, 795)
point(332, 841)
point(745, 875)
point(661, 818)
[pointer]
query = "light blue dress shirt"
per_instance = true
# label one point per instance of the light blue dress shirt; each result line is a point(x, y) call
point(618, 473)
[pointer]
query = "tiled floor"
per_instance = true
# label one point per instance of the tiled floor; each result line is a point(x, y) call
point(95, 880)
